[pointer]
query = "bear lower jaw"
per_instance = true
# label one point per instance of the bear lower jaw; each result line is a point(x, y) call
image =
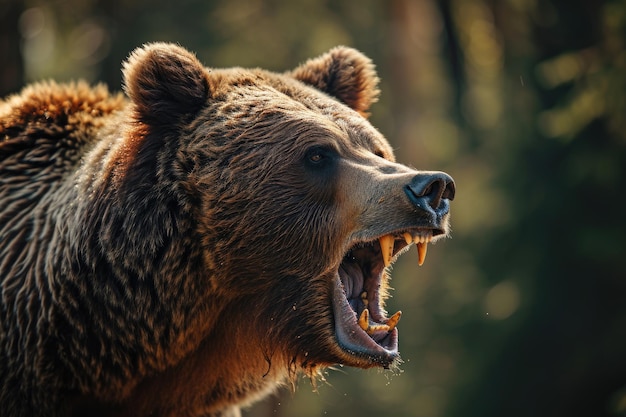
point(360, 348)
point(362, 330)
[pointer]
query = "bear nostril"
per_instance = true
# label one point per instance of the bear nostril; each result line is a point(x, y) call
point(433, 192)
point(450, 190)
point(432, 188)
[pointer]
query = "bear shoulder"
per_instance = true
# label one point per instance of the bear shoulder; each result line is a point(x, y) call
point(46, 112)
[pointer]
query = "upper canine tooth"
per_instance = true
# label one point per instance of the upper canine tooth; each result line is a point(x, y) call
point(386, 248)
point(408, 238)
point(421, 252)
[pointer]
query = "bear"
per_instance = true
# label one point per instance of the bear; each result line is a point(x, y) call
point(188, 245)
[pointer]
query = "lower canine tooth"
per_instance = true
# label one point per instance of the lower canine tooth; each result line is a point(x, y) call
point(393, 321)
point(364, 320)
point(421, 252)
point(364, 323)
point(386, 248)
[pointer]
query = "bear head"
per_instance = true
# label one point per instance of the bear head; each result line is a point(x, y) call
point(295, 194)
point(294, 205)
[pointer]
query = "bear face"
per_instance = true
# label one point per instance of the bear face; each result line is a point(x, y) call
point(295, 162)
point(233, 228)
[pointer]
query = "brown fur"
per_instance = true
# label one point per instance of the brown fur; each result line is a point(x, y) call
point(175, 253)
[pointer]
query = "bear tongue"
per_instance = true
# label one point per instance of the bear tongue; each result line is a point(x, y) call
point(380, 344)
point(352, 279)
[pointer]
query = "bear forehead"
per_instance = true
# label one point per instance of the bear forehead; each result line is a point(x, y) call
point(268, 100)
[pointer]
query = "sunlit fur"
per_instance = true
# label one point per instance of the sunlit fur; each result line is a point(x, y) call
point(170, 253)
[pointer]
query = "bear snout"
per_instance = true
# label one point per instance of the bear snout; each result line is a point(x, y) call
point(431, 192)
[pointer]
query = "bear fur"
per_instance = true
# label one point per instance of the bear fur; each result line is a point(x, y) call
point(186, 248)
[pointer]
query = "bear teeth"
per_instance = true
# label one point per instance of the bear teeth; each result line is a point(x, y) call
point(364, 299)
point(422, 245)
point(364, 320)
point(369, 328)
point(387, 244)
point(386, 248)
point(421, 252)
point(393, 320)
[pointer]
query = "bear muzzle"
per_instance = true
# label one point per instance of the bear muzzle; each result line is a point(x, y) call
point(362, 328)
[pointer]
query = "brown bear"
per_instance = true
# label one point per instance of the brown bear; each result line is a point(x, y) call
point(186, 250)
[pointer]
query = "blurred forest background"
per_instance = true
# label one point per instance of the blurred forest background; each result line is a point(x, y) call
point(523, 102)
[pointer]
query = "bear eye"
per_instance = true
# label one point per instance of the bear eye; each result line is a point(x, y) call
point(316, 157)
point(319, 156)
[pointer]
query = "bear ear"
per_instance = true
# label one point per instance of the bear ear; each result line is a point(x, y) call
point(344, 73)
point(165, 82)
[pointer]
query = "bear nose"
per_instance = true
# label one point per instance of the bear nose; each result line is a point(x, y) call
point(432, 190)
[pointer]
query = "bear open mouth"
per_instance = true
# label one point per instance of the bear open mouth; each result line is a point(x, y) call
point(362, 327)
